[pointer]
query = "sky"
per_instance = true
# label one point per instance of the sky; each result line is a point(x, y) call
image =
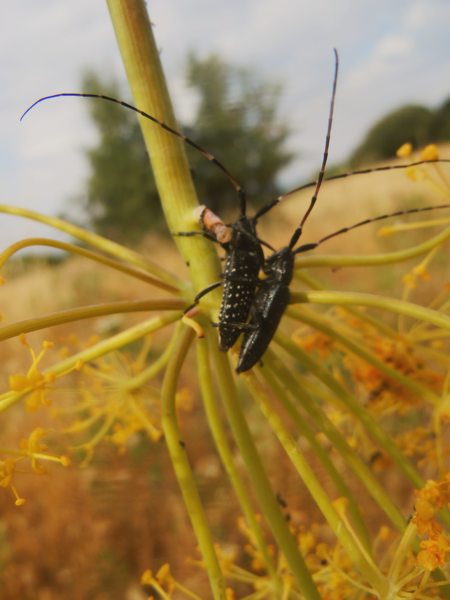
point(391, 53)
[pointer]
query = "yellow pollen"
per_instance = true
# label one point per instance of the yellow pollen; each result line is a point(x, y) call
point(405, 150)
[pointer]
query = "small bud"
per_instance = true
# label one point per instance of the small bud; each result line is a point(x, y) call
point(405, 150)
point(430, 152)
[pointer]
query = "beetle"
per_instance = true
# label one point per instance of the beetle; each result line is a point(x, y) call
point(244, 259)
point(273, 294)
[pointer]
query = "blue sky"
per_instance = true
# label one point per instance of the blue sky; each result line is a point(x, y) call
point(391, 53)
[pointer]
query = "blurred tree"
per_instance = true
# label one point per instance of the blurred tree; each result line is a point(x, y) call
point(235, 120)
point(406, 124)
point(121, 201)
point(440, 124)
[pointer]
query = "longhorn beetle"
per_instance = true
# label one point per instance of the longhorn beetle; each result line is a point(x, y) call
point(239, 239)
point(273, 295)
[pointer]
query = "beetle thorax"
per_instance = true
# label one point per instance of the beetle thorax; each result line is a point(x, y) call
point(279, 266)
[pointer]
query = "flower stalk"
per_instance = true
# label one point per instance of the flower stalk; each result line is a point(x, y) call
point(178, 452)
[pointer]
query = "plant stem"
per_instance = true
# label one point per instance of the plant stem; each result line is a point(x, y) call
point(226, 455)
point(167, 152)
point(94, 240)
point(180, 462)
point(372, 260)
point(392, 304)
point(94, 256)
point(359, 555)
point(259, 479)
point(335, 332)
point(87, 312)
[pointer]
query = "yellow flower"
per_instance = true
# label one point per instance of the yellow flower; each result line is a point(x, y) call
point(34, 448)
point(307, 541)
point(165, 578)
point(422, 273)
point(433, 553)
point(430, 152)
point(405, 150)
point(147, 577)
point(409, 280)
point(7, 472)
point(34, 380)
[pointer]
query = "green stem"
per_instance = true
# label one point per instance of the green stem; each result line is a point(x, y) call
point(87, 312)
point(141, 58)
point(372, 260)
point(94, 256)
point(339, 443)
point(111, 344)
point(300, 396)
point(359, 411)
point(95, 241)
point(220, 439)
point(261, 485)
point(150, 372)
point(336, 333)
point(392, 304)
point(378, 324)
point(182, 468)
point(360, 557)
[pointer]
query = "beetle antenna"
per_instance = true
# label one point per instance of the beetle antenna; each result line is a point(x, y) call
point(397, 213)
point(298, 232)
point(234, 182)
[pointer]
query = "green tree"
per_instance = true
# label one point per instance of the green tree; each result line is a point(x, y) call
point(440, 124)
point(406, 124)
point(121, 200)
point(236, 120)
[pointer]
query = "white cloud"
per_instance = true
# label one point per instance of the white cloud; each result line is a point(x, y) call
point(394, 46)
point(422, 14)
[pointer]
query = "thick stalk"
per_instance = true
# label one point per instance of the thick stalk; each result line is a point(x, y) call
point(167, 152)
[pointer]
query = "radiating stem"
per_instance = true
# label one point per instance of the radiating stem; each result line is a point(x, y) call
point(359, 411)
point(94, 240)
point(180, 462)
point(359, 555)
point(372, 260)
point(220, 438)
point(391, 304)
point(258, 476)
point(334, 331)
point(94, 256)
point(87, 312)
point(103, 347)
